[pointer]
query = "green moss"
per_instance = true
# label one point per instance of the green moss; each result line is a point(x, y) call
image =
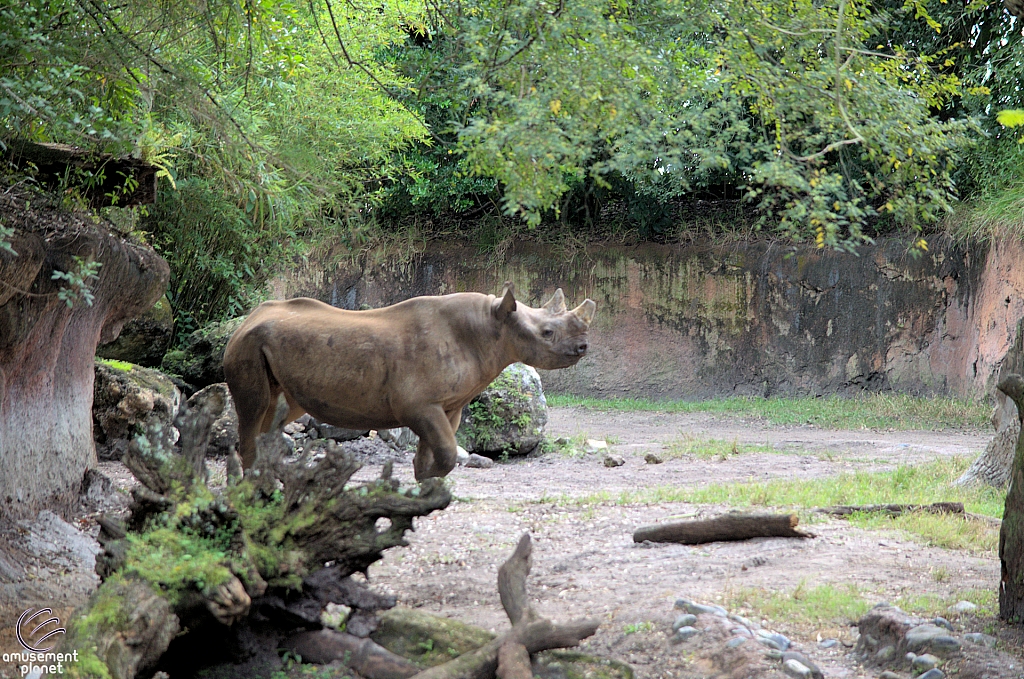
point(495, 410)
point(120, 366)
point(426, 639)
point(88, 666)
point(175, 561)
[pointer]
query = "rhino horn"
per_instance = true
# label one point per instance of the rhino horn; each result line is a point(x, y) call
point(505, 306)
point(585, 311)
point(556, 305)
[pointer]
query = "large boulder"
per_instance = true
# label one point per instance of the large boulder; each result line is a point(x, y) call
point(126, 399)
point(201, 361)
point(143, 340)
point(508, 417)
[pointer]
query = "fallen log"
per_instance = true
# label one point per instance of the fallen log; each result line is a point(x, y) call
point(725, 528)
point(507, 656)
point(893, 509)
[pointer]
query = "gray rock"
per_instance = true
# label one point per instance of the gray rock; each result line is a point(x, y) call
point(885, 653)
point(651, 458)
point(770, 643)
point(803, 660)
point(942, 622)
point(613, 461)
point(681, 604)
point(929, 636)
point(735, 641)
point(779, 641)
point(749, 624)
point(923, 663)
point(684, 633)
point(741, 632)
point(828, 643)
point(963, 607)
point(796, 669)
point(339, 434)
point(701, 609)
point(932, 674)
point(508, 417)
point(889, 675)
point(475, 461)
point(402, 437)
point(126, 399)
point(143, 340)
point(461, 456)
point(981, 639)
point(684, 620)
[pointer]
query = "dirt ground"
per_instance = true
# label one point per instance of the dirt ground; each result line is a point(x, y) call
point(586, 564)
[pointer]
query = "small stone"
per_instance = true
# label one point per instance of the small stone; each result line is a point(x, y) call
point(613, 461)
point(803, 660)
point(735, 641)
point(475, 461)
point(561, 441)
point(700, 609)
point(742, 632)
point(684, 633)
point(923, 663)
point(294, 428)
point(684, 620)
point(781, 642)
point(930, 636)
point(773, 654)
point(651, 458)
point(885, 653)
point(963, 607)
point(981, 639)
point(681, 604)
point(828, 643)
point(335, 616)
point(942, 622)
point(889, 675)
point(945, 645)
point(595, 445)
point(932, 674)
point(910, 657)
point(461, 456)
point(749, 624)
point(796, 669)
point(770, 643)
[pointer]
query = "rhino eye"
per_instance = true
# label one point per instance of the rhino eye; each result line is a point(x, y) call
point(547, 334)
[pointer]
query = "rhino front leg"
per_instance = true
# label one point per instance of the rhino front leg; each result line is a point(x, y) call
point(436, 455)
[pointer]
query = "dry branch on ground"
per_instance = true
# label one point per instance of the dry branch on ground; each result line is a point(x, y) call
point(728, 527)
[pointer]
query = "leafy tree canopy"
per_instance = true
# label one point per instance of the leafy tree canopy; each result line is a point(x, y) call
point(276, 122)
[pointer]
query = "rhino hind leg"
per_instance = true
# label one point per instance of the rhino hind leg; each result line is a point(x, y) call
point(437, 453)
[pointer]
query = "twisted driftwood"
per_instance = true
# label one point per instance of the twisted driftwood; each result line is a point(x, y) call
point(508, 656)
point(274, 529)
point(723, 528)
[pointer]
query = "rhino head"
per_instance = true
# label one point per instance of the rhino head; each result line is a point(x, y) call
point(550, 337)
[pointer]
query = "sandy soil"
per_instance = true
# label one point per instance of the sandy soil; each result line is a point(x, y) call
point(586, 564)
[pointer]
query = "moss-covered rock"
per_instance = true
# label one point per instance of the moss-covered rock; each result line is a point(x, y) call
point(426, 639)
point(508, 417)
point(143, 340)
point(126, 399)
point(201, 361)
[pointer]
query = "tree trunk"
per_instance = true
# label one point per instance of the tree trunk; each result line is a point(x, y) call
point(1011, 533)
point(993, 465)
point(722, 529)
point(47, 348)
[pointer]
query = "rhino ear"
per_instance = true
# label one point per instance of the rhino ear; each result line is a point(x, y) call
point(555, 305)
point(585, 311)
point(506, 305)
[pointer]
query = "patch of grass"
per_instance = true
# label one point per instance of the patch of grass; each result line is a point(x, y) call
point(646, 626)
point(708, 449)
point(932, 482)
point(122, 366)
point(872, 411)
point(804, 607)
point(930, 605)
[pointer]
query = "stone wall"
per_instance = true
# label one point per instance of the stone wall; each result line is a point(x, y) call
point(741, 318)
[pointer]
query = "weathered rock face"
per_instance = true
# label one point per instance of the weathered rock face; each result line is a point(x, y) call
point(201, 361)
point(126, 400)
point(508, 416)
point(143, 340)
point(741, 318)
point(47, 348)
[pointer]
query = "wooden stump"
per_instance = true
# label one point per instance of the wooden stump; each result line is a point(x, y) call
point(727, 527)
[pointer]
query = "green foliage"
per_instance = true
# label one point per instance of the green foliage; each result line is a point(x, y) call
point(77, 282)
point(121, 366)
